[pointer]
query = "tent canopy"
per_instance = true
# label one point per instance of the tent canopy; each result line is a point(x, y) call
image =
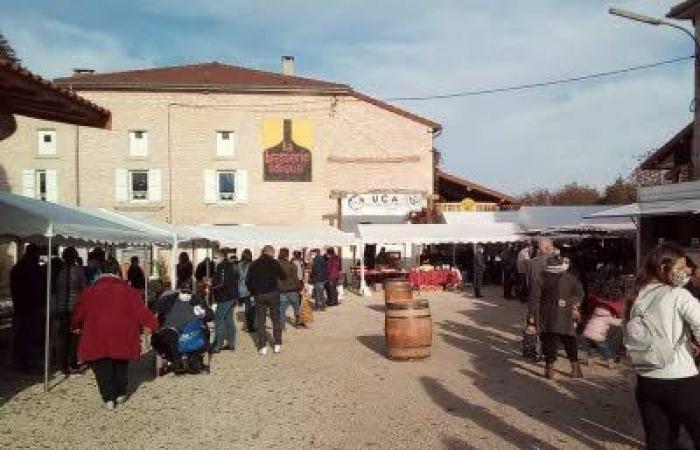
point(31, 219)
point(440, 233)
point(549, 219)
point(276, 235)
point(657, 208)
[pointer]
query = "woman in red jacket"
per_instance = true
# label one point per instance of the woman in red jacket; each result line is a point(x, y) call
point(110, 316)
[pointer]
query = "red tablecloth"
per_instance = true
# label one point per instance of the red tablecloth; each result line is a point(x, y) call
point(431, 278)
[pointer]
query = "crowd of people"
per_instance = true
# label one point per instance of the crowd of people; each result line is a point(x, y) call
point(98, 313)
point(661, 321)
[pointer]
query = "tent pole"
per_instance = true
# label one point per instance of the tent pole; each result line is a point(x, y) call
point(147, 275)
point(208, 274)
point(47, 322)
point(173, 264)
point(363, 286)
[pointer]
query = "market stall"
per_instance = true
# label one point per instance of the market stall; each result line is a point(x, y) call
point(32, 220)
point(428, 234)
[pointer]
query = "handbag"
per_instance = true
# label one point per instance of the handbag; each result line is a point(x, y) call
point(531, 345)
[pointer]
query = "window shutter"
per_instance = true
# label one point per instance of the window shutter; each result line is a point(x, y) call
point(154, 188)
point(210, 186)
point(242, 186)
point(28, 183)
point(121, 189)
point(51, 186)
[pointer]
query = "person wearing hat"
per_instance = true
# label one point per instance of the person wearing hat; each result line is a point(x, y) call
point(555, 312)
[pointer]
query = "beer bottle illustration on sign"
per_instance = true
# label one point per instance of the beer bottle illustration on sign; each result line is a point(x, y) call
point(287, 160)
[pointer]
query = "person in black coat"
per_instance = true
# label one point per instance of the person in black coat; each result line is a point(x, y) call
point(184, 271)
point(318, 278)
point(262, 281)
point(135, 275)
point(28, 290)
point(225, 288)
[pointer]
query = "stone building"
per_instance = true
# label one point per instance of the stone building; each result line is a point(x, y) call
point(220, 144)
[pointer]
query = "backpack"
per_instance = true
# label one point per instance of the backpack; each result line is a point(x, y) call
point(648, 346)
point(243, 291)
point(191, 336)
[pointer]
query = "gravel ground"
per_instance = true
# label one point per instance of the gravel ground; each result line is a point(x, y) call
point(332, 388)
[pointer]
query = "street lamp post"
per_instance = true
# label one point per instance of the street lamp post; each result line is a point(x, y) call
point(695, 146)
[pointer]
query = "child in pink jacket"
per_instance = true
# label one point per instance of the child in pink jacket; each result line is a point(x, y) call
point(596, 332)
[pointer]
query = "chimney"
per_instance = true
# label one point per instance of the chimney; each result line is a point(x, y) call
point(79, 72)
point(288, 65)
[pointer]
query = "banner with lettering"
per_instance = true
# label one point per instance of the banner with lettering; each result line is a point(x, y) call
point(288, 144)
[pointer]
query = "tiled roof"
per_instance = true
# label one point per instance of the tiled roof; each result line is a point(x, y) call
point(685, 10)
point(196, 75)
point(25, 93)
point(662, 158)
point(218, 77)
point(469, 185)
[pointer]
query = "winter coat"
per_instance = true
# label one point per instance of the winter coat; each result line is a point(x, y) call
point(535, 270)
point(70, 283)
point(201, 272)
point(184, 272)
point(28, 287)
point(479, 263)
point(136, 277)
point(561, 293)
point(110, 315)
point(291, 283)
point(599, 324)
point(333, 267)
point(264, 275)
point(319, 270)
point(226, 279)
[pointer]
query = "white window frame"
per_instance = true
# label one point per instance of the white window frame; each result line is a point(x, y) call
point(225, 197)
point(226, 148)
point(212, 190)
point(130, 187)
point(44, 148)
point(138, 146)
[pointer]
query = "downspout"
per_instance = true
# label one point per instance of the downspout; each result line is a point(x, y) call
point(77, 165)
point(170, 172)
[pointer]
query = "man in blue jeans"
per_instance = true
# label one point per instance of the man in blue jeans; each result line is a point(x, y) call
point(318, 278)
point(289, 289)
point(225, 288)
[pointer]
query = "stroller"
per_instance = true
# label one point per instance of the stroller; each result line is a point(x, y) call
point(183, 340)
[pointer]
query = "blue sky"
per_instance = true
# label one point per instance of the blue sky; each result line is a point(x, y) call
point(587, 132)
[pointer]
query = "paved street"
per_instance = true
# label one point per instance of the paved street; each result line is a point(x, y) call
point(332, 388)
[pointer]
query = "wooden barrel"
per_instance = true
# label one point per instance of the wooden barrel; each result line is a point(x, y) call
point(408, 329)
point(397, 291)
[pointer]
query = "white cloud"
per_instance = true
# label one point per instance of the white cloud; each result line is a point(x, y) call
point(52, 48)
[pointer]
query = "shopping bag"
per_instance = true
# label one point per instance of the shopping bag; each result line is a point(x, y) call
point(307, 310)
point(530, 346)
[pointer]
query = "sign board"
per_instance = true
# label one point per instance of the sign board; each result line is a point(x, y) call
point(287, 147)
point(384, 204)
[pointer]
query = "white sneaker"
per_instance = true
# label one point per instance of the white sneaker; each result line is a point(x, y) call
point(121, 399)
point(262, 351)
point(277, 349)
point(109, 405)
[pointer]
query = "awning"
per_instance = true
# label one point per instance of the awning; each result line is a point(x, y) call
point(659, 208)
point(440, 233)
point(277, 235)
point(30, 219)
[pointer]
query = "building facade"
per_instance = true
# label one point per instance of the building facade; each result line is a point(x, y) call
point(220, 144)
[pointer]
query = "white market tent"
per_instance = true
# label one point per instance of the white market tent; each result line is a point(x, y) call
point(549, 219)
point(34, 220)
point(440, 233)
point(275, 235)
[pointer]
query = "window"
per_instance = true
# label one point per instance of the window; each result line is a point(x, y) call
point(225, 143)
point(227, 186)
point(46, 142)
point(41, 184)
point(138, 143)
point(138, 184)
